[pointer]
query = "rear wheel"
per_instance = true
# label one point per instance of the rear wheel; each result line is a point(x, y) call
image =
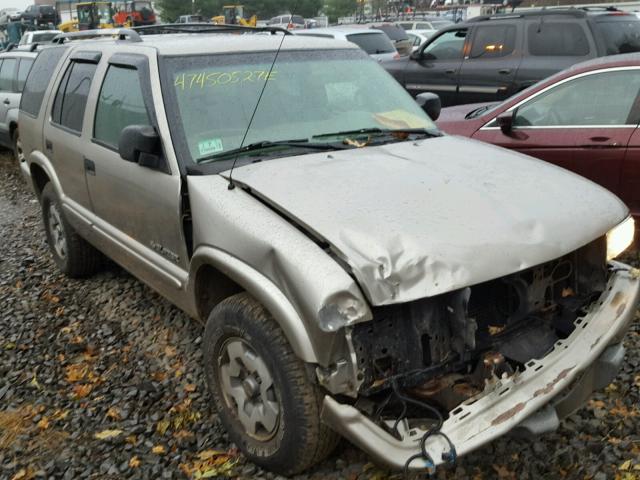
point(18, 153)
point(263, 394)
point(73, 255)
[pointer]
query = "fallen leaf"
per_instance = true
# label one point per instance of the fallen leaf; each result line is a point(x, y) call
point(81, 391)
point(170, 351)
point(626, 466)
point(162, 426)
point(134, 462)
point(107, 434)
point(159, 450)
point(76, 372)
point(34, 382)
point(131, 439)
point(190, 387)
point(113, 413)
point(207, 454)
point(20, 474)
point(43, 424)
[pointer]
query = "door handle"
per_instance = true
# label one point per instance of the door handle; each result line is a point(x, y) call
point(504, 71)
point(48, 145)
point(89, 167)
point(6, 101)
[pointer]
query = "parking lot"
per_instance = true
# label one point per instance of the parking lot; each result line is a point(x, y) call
point(83, 357)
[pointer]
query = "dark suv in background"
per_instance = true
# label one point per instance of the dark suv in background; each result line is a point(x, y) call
point(490, 58)
point(40, 15)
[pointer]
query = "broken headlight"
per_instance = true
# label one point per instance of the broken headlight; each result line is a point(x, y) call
point(619, 238)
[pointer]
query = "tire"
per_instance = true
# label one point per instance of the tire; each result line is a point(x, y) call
point(17, 147)
point(72, 254)
point(299, 439)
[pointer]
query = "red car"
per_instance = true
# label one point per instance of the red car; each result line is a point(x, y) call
point(584, 119)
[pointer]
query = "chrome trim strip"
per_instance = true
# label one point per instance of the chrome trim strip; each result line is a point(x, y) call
point(430, 87)
point(479, 89)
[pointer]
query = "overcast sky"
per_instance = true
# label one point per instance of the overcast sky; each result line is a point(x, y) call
point(21, 4)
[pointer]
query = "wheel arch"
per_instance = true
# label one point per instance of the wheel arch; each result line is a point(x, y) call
point(230, 275)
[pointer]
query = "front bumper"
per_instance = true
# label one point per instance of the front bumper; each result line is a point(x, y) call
point(529, 402)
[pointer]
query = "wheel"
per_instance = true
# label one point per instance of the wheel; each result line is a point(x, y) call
point(262, 391)
point(18, 154)
point(73, 255)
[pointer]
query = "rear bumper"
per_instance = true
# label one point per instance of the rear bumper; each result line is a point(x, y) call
point(528, 403)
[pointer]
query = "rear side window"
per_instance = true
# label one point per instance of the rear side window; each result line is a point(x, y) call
point(557, 39)
point(71, 97)
point(120, 104)
point(493, 41)
point(38, 79)
point(620, 36)
point(372, 43)
point(23, 71)
point(7, 74)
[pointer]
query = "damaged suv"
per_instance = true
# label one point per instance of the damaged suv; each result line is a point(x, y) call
point(360, 273)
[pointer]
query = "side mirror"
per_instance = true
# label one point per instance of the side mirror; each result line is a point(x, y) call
point(415, 55)
point(141, 144)
point(505, 121)
point(430, 103)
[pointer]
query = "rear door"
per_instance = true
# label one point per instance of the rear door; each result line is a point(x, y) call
point(64, 142)
point(437, 66)
point(489, 70)
point(583, 124)
point(552, 44)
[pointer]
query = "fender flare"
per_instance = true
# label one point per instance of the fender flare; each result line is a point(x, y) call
point(38, 158)
point(263, 290)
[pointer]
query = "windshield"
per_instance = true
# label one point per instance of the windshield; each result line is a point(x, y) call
point(211, 99)
point(620, 36)
point(372, 43)
point(140, 6)
point(41, 37)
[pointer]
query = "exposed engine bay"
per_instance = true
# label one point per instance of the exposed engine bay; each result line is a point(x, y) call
point(443, 350)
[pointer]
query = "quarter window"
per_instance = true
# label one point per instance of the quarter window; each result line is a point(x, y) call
point(493, 41)
point(23, 71)
point(71, 97)
point(38, 79)
point(120, 104)
point(611, 99)
point(557, 39)
point(448, 46)
point(7, 73)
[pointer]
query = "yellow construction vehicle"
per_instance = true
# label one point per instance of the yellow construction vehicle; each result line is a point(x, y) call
point(90, 15)
point(234, 15)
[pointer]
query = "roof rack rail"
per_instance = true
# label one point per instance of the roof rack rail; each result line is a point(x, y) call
point(120, 33)
point(530, 13)
point(205, 28)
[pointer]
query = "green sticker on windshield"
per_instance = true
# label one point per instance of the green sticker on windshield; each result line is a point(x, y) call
point(207, 147)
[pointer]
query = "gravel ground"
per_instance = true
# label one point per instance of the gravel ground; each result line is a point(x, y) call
point(101, 378)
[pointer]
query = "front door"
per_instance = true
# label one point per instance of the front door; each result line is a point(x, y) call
point(437, 66)
point(630, 176)
point(489, 71)
point(583, 124)
point(137, 208)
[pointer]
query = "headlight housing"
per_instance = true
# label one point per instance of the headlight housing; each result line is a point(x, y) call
point(619, 238)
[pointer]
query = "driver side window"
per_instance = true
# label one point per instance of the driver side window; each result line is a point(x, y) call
point(448, 46)
point(604, 98)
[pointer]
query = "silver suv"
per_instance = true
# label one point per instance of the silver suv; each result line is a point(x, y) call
point(359, 273)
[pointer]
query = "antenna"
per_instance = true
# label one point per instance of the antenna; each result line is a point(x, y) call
point(255, 109)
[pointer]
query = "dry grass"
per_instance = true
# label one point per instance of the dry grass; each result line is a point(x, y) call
point(12, 424)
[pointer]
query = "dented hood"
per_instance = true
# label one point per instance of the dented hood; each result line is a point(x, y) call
point(416, 219)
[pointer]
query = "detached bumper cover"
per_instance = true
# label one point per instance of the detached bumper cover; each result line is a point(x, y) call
point(529, 402)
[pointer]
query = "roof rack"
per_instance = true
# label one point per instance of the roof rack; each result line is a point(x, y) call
point(119, 33)
point(530, 13)
point(205, 28)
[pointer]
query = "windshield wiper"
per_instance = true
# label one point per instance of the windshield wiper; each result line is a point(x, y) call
point(252, 147)
point(382, 131)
